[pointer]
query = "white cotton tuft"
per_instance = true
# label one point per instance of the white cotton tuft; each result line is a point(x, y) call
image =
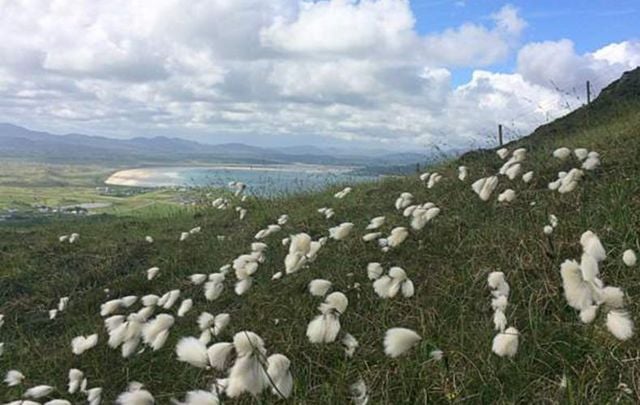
point(629, 258)
point(220, 322)
point(149, 300)
point(94, 396)
point(398, 341)
point(205, 320)
point(197, 279)
point(505, 344)
point(218, 355)
point(548, 229)
point(499, 320)
point(323, 328)
point(350, 344)
point(213, 289)
point(336, 301)
point(613, 297)
point(376, 223)
point(242, 286)
point(13, 378)
point(620, 324)
point(152, 273)
point(191, 350)
point(408, 289)
point(81, 344)
point(341, 231)
point(38, 391)
point(581, 153)
point(171, 298)
point(185, 306)
point(463, 172)
point(513, 171)
point(499, 303)
point(54, 402)
point(588, 314)
point(148, 239)
point(576, 290)
point(371, 236)
point(246, 375)
point(135, 397)
point(319, 287)
point(280, 378)
point(200, 397)
point(497, 282)
point(589, 267)
point(155, 332)
point(527, 177)
point(128, 301)
point(75, 379)
point(591, 245)
point(507, 195)
point(502, 153)
point(397, 236)
point(562, 153)
point(374, 270)
point(62, 304)
point(52, 314)
point(110, 307)
point(485, 186)
point(358, 391)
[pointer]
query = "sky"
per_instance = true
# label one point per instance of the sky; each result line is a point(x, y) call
point(392, 74)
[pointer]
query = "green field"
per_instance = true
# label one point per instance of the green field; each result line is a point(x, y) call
point(25, 184)
point(559, 360)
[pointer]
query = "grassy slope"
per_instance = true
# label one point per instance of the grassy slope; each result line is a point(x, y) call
point(448, 261)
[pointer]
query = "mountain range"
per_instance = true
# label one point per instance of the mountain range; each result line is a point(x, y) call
point(19, 142)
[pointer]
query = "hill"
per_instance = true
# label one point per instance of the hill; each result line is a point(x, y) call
point(559, 358)
point(18, 142)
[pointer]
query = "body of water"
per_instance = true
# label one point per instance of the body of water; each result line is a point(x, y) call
point(261, 180)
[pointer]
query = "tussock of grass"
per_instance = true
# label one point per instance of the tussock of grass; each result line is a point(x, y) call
point(448, 262)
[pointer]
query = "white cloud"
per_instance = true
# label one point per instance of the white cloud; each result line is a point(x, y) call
point(555, 64)
point(346, 69)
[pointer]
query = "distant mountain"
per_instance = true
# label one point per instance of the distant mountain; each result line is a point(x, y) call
point(18, 142)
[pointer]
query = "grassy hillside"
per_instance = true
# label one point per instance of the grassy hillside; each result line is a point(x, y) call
point(448, 261)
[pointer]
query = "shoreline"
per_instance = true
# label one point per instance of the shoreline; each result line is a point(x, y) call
point(169, 176)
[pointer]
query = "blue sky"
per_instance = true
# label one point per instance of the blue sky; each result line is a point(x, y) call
point(590, 24)
point(387, 74)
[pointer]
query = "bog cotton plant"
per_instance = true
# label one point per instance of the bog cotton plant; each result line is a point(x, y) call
point(463, 172)
point(507, 196)
point(13, 378)
point(403, 201)
point(398, 341)
point(505, 343)
point(343, 193)
point(319, 287)
point(587, 293)
point(562, 153)
point(327, 212)
point(396, 237)
point(325, 327)
point(341, 231)
point(252, 371)
point(376, 223)
point(485, 186)
point(389, 285)
point(434, 179)
point(421, 215)
point(629, 258)
point(135, 395)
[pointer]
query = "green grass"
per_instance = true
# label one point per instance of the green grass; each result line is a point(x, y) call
point(448, 262)
point(24, 184)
